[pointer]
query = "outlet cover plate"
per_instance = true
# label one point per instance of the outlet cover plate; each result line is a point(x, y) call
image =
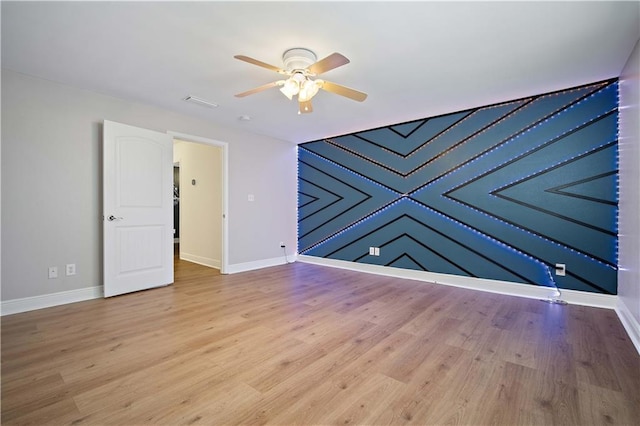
point(53, 272)
point(70, 269)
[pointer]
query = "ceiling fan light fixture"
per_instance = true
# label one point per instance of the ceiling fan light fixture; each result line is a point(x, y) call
point(290, 88)
point(309, 89)
point(302, 67)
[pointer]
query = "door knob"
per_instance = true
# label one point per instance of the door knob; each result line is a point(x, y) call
point(112, 218)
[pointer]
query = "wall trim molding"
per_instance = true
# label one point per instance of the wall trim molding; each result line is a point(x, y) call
point(16, 306)
point(259, 264)
point(630, 324)
point(201, 260)
point(574, 297)
point(482, 284)
point(632, 327)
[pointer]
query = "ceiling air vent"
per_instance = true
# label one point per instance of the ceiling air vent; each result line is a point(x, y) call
point(201, 102)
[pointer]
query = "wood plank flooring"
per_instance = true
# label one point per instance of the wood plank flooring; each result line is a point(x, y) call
point(302, 344)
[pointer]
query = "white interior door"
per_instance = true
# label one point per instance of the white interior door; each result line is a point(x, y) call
point(138, 209)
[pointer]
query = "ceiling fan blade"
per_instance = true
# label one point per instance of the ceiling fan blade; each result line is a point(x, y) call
point(344, 91)
point(260, 64)
point(305, 107)
point(332, 61)
point(260, 89)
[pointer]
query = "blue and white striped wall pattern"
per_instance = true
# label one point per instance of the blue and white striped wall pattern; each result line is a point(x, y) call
point(500, 192)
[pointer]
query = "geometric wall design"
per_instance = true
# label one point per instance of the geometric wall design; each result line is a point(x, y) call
point(501, 192)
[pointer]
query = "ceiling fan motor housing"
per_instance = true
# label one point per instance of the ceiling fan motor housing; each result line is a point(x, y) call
point(298, 58)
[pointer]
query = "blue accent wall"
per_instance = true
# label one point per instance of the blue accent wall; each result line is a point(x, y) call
point(500, 192)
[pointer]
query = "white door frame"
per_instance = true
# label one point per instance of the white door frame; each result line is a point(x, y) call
point(224, 261)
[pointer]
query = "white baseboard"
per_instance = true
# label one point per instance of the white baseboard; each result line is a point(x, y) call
point(492, 286)
point(574, 297)
point(630, 323)
point(200, 260)
point(15, 306)
point(584, 298)
point(259, 264)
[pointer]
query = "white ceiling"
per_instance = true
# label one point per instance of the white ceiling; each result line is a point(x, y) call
point(414, 59)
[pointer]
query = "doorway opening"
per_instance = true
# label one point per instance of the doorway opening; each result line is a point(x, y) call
point(176, 202)
point(201, 203)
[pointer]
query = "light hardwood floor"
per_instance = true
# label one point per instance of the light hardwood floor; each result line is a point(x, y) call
point(310, 345)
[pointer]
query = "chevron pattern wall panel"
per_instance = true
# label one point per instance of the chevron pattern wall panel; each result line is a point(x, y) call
point(502, 192)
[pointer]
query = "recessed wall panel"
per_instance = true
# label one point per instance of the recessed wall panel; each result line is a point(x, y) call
point(135, 185)
point(141, 248)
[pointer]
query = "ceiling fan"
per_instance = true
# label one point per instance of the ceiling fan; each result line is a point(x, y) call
point(301, 67)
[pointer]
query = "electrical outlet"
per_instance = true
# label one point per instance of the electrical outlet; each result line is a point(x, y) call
point(372, 251)
point(53, 272)
point(561, 269)
point(71, 269)
point(376, 251)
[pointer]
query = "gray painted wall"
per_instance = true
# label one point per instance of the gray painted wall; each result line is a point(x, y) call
point(52, 189)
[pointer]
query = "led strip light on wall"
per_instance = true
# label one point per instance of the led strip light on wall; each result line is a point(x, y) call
point(466, 174)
